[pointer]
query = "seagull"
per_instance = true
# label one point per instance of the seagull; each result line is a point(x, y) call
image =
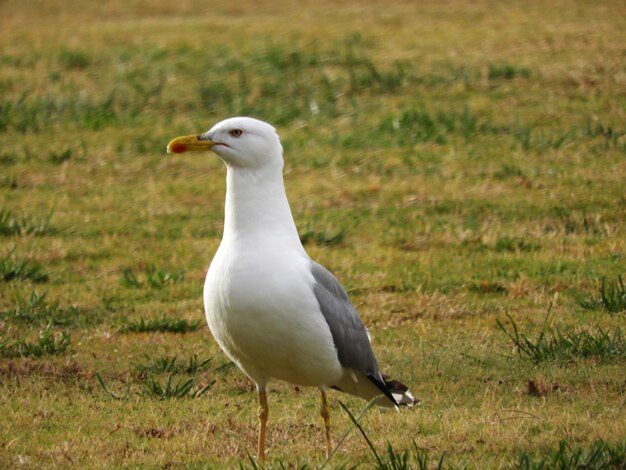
point(275, 312)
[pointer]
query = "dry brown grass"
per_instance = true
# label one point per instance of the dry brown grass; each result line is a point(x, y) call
point(441, 236)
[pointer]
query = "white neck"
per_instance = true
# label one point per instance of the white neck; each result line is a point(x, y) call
point(257, 208)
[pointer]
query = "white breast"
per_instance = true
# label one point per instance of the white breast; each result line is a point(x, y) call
point(266, 318)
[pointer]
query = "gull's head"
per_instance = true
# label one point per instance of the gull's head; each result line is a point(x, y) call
point(240, 141)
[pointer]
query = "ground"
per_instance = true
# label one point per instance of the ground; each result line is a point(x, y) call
point(459, 166)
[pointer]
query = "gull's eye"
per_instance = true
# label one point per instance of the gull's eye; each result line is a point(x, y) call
point(236, 132)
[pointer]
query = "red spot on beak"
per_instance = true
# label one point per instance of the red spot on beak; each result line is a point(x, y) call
point(177, 148)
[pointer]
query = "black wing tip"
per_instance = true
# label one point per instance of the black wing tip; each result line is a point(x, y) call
point(395, 391)
point(382, 386)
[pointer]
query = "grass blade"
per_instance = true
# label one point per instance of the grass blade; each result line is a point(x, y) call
point(360, 428)
point(345, 435)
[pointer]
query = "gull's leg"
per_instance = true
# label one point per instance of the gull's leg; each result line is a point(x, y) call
point(326, 417)
point(263, 412)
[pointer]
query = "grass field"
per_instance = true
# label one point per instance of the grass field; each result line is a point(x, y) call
point(460, 166)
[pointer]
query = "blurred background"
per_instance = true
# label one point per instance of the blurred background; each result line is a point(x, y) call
point(458, 165)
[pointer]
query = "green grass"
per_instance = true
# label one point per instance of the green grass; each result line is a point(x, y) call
point(149, 378)
point(458, 167)
point(599, 455)
point(60, 157)
point(611, 296)
point(14, 269)
point(13, 224)
point(35, 310)
point(552, 343)
point(170, 388)
point(162, 325)
point(173, 364)
point(322, 237)
point(8, 182)
point(507, 72)
point(47, 342)
point(153, 277)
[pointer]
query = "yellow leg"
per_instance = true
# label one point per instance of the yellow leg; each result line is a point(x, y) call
point(326, 417)
point(263, 412)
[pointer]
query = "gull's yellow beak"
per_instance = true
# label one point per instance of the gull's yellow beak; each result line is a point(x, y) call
point(189, 143)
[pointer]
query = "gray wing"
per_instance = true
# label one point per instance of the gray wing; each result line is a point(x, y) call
point(347, 329)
